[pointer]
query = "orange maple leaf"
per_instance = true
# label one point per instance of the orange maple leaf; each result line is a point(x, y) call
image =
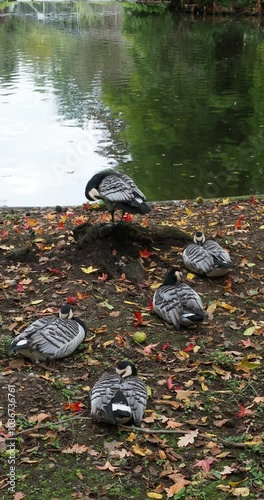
point(74, 406)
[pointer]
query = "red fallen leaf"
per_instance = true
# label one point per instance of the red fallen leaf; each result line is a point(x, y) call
point(205, 464)
point(74, 406)
point(20, 288)
point(61, 225)
point(247, 343)
point(150, 306)
point(139, 318)
point(144, 223)
point(71, 300)
point(243, 411)
point(165, 346)
point(169, 383)
point(148, 348)
point(189, 347)
point(252, 199)
point(178, 388)
point(144, 254)
point(4, 233)
point(79, 220)
point(128, 217)
point(85, 206)
point(159, 357)
point(238, 224)
point(228, 287)
point(54, 271)
point(103, 277)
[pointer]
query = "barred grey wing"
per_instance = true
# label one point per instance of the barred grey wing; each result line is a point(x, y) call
point(166, 304)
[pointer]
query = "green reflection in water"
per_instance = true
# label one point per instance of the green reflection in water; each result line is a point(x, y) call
point(180, 101)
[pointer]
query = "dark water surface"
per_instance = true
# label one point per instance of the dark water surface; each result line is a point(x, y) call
point(176, 103)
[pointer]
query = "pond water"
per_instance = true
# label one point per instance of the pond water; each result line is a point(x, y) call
point(177, 103)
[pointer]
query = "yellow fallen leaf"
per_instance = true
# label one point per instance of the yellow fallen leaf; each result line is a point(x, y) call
point(89, 269)
point(249, 331)
point(226, 201)
point(132, 436)
point(108, 342)
point(155, 286)
point(137, 450)
point(190, 276)
point(261, 227)
point(196, 348)
point(35, 302)
point(224, 305)
point(152, 494)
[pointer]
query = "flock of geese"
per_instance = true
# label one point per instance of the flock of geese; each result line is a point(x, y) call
point(120, 396)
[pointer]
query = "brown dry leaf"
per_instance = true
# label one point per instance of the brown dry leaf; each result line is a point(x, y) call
point(259, 399)
point(182, 395)
point(107, 466)
point(175, 488)
point(38, 418)
point(19, 495)
point(171, 424)
point(76, 449)
point(188, 438)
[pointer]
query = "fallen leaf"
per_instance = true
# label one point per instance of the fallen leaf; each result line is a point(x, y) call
point(243, 412)
point(74, 406)
point(89, 269)
point(188, 438)
point(144, 254)
point(76, 449)
point(152, 494)
point(205, 464)
point(240, 492)
point(139, 318)
point(107, 466)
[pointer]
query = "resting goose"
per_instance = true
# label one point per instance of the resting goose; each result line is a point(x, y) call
point(51, 337)
point(206, 258)
point(118, 191)
point(177, 302)
point(119, 396)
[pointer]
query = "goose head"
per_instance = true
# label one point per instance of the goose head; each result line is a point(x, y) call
point(199, 238)
point(126, 369)
point(66, 312)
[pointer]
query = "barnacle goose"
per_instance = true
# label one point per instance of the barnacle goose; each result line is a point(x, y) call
point(119, 396)
point(118, 191)
point(207, 258)
point(177, 302)
point(50, 338)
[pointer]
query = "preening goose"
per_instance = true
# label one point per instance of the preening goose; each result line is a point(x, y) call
point(119, 396)
point(177, 302)
point(51, 337)
point(206, 257)
point(118, 191)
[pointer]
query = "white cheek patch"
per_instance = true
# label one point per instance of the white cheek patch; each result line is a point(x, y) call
point(94, 194)
point(121, 407)
point(22, 342)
